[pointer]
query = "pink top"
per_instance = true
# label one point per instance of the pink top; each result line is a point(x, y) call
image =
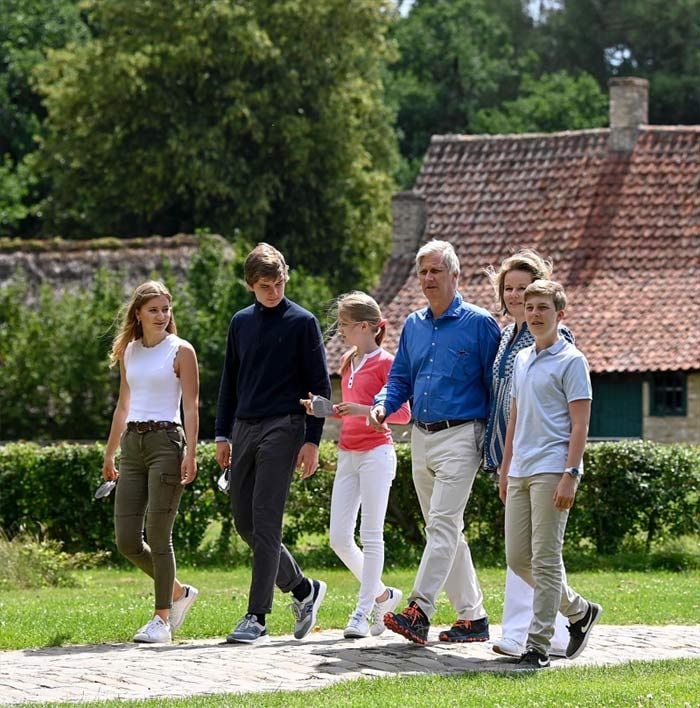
point(360, 384)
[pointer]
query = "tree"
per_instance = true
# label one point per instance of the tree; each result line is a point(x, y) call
point(550, 103)
point(456, 57)
point(242, 116)
point(653, 39)
point(27, 29)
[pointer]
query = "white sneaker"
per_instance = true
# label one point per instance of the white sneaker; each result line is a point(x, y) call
point(358, 626)
point(181, 607)
point(508, 647)
point(155, 632)
point(381, 608)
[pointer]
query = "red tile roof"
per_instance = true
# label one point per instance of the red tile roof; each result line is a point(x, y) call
point(623, 231)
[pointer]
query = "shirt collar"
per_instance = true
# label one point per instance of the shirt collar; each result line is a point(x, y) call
point(280, 307)
point(552, 349)
point(451, 311)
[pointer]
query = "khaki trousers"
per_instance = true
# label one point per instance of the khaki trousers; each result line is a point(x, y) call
point(444, 467)
point(148, 495)
point(534, 540)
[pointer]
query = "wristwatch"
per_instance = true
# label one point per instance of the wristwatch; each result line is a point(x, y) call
point(573, 471)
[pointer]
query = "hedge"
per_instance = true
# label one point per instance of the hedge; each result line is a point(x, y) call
point(630, 490)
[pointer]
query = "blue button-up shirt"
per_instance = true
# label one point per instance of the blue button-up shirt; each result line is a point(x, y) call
point(445, 364)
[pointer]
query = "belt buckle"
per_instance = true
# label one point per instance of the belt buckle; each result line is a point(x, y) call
point(143, 427)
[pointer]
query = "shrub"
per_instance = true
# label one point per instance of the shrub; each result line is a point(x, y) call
point(61, 387)
point(27, 562)
point(630, 491)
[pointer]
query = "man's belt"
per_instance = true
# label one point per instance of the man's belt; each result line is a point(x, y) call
point(440, 425)
point(148, 426)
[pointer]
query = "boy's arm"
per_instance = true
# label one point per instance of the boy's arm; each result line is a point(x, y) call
point(507, 452)
point(580, 413)
point(226, 403)
point(315, 376)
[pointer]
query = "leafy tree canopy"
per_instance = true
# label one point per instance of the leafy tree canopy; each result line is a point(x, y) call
point(251, 117)
point(553, 102)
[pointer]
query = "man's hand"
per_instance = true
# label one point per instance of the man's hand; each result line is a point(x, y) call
point(376, 417)
point(223, 453)
point(565, 492)
point(307, 461)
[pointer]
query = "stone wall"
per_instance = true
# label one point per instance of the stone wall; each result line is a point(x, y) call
point(668, 429)
point(71, 265)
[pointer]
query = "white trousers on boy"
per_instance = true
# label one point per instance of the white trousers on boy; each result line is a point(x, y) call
point(517, 615)
point(362, 482)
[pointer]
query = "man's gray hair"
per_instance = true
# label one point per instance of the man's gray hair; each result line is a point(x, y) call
point(444, 249)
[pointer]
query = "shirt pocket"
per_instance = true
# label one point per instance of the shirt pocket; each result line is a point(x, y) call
point(457, 363)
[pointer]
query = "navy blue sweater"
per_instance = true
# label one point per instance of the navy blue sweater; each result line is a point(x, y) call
point(274, 357)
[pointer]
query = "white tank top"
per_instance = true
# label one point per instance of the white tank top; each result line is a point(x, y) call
point(154, 388)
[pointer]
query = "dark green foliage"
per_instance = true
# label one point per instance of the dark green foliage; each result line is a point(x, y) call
point(28, 30)
point(259, 117)
point(551, 103)
point(637, 489)
point(630, 490)
point(56, 383)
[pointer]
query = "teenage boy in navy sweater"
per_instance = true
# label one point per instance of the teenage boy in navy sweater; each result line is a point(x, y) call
point(274, 356)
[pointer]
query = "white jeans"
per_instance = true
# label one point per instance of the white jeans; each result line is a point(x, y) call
point(362, 480)
point(517, 615)
point(534, 539)
point(444, 467)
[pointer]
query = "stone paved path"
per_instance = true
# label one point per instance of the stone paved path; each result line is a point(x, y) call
point(190, 667)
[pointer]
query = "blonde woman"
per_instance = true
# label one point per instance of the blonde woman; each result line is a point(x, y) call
point(509, 282)
point(158, 372)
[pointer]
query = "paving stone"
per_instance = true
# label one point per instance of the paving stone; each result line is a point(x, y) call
point(199, 667)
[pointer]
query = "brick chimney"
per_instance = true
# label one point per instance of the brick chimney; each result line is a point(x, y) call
point(409, 218)
point(629, 108)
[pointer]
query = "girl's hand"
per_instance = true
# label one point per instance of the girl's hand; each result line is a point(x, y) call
point(306, 402)
point(345, 408)
point(109, 471)
point(188, 469)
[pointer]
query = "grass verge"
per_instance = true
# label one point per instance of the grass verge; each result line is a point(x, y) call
point(108, 605)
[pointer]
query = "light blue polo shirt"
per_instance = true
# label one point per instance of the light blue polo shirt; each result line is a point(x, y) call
point(543, 386)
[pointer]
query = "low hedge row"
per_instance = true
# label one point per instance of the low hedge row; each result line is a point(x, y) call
point(630, 489)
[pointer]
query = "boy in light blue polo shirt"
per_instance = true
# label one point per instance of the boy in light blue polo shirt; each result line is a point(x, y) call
point(542, 465)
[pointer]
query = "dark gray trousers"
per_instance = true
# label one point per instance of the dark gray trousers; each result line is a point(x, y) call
point(263, 458)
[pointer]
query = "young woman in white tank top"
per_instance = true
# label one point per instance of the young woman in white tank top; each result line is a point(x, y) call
point(158, 371)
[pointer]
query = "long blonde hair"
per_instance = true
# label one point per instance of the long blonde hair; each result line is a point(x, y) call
point(360, 307)
point(130, 328)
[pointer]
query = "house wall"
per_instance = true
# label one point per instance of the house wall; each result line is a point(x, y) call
point(669, 429)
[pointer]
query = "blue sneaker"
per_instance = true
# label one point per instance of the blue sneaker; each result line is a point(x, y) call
point(248, 631)
point(305, 611)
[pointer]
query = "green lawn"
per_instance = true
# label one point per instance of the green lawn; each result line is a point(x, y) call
point(109, 605)
point(662, 683)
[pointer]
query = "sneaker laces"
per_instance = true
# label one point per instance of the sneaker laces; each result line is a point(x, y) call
point(249, 621)
point(413, 612)
point(467, 624)
point(154, 625)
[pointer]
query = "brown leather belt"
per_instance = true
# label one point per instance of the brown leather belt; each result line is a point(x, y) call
point(148, 426)
point(440, 425)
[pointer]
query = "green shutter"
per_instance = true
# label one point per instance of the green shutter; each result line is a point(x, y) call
point(617, 406)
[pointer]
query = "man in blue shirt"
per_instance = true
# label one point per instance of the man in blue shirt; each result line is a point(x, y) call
point(444, 362)
point(274, 357)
